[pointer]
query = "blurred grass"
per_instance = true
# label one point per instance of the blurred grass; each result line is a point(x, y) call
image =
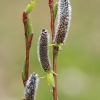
point(78, 62)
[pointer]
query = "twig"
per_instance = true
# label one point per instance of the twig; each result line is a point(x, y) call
point(55, 49)
point(28, 45)
point(52, 18)
point(55, 53)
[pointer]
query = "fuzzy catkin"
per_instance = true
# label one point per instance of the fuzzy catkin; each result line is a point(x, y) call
point(43, 50)
point(31, 87)
point(64, 17)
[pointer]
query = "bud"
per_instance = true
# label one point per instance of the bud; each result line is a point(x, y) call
point(43, 50)
point(31, 87)
point(64, 17)
point(30, 6)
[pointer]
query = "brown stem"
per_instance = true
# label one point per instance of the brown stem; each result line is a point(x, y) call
point(55, 53)
point(52, 18)
point(30, 40)
point(28, 45)
point(55, 49)
point(23, 79)
point(27, 48)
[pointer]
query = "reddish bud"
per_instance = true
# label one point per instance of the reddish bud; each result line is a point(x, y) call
point(24, 16)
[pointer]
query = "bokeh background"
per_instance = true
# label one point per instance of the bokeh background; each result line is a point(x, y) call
point(78, 64)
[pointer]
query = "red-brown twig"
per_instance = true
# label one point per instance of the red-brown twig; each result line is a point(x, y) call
point(55, 49)
point(28, 45)
point(52, 18)
point(55, 53)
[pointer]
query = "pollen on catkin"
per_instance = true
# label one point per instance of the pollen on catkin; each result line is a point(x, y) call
point(31, 87)
point(64, 17)
point(43, 50)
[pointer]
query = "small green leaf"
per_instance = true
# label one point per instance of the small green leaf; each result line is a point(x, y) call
point(30, 6)
point(57, 45)
point(30, 29)
point(52, 44)
point(24, 69)
point(54, 72)
point(60, 48)
point(42, 77)
point(50, 78)
point(55, 10)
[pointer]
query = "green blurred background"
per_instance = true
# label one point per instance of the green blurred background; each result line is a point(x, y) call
point(78, 66)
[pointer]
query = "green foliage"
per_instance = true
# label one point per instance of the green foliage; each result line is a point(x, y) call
point(30, 28)
point(50, 78)
point(55, 10)
point(30, 6)
point(24, 69)
point(82, 50)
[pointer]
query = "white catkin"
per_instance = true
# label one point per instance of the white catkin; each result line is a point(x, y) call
point(31, 87)
point(64, 17)
point(43, 54)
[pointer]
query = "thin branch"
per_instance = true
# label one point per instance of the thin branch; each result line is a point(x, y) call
point(28, 45)
point(24, 82)
point(30, 40)
point(55, 53)
point(52, 18)
point(55, 49)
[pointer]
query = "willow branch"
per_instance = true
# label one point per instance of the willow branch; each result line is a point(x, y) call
point(28, 45)
point(52, 18)
point(55, 49)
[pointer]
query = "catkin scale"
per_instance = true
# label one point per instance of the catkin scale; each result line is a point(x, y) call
point(43, 50)
point(31, 87)
point(64, 16)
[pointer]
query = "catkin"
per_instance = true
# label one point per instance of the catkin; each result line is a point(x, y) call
point(31, 87)
point(64, 16)
point(43, 50)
